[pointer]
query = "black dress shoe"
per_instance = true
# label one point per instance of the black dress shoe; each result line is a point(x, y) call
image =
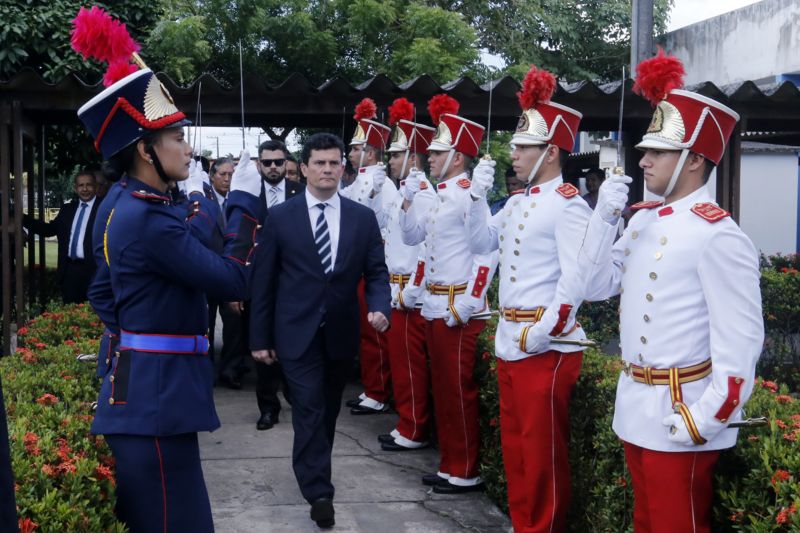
point(449, 488)
point(364, 410)
point(353, 403)
point(322, 513)
point(385, 438)
point(394, 447)
point(434, 480)
point(266, 421)
point(232, 382)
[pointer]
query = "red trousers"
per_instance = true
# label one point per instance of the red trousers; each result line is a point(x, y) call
point(410, 375)
point(671, 490)
point(455, 395)
point(534, 433)
point(374, 356)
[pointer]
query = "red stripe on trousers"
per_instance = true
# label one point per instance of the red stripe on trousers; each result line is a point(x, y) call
point(410, 374)
point(455, 394)
point(672, 491)
point(163, 481)
point(534, 433)
point(375, 374)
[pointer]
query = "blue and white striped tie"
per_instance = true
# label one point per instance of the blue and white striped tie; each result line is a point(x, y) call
point(322, 238)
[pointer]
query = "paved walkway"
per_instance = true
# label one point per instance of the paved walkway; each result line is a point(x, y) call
point(252, 486)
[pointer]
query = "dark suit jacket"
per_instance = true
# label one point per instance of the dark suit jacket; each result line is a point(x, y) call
point(61, 227)
point(292, 189)
point(291, 293)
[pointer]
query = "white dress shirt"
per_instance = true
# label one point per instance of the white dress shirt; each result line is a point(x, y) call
point(278, 190)
point(333, 216)
point(80, 232)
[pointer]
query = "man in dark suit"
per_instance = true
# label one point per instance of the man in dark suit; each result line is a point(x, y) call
point(73, 228)
point(272, 164)
point(315, 249)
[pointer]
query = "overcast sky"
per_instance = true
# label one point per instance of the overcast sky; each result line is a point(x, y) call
point(685, 12)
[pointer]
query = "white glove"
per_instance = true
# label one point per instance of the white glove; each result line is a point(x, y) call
point(409, 298)
point(676, 430)
point(378, 179)
point(413, 183)
point(612, 197)
point(482, 178)
point(194, 183)
point(246, 176)
point(464, 309)
point(538, 338)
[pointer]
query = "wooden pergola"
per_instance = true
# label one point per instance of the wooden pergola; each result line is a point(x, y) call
point(28, 104)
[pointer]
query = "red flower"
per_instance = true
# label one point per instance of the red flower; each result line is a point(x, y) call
point(753, 438)
point(783, 516)
point(736, 517)
point(770, 385)
point(104, 472)
point(31, 443)
point(780, 475)
point(67, 468)
point(780, 423)
point(790, 436)
point(47, 399)
point(22, 331)
point(48, 470)
point(486, 356)
point(491, 337)
point(40, 346)
point(784, 398)
point(26, 525)
point(69, 342)
point(622, 482)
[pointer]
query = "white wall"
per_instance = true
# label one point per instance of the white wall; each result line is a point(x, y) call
point(751, 43)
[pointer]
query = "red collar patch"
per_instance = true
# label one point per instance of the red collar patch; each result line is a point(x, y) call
point(709, 212)
point(362, 170)
point(464, 183)
point(535, 190)
point(150, 196)
point(652, 204)
point(402, 182)
point(665, 211)
point(567, 190)
point(441, 186)
point(424, 185)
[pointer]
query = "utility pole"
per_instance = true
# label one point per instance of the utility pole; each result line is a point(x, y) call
point(641, 32)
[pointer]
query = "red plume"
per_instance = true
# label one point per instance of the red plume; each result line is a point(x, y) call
point(366, 108)
point(401, 109)
point(441, 104)
point(537, 87)
point(118, 70)
point(657, 76)
point(96, 35)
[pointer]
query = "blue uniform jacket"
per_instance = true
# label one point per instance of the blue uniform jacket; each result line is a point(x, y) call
point(160, 273)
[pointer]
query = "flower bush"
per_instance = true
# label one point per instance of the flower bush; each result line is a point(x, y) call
point(64, 475)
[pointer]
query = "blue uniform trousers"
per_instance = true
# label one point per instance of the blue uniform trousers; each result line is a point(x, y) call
point(316, 382)
point(160, 485)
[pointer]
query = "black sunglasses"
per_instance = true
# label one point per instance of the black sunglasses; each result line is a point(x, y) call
point(277, 162)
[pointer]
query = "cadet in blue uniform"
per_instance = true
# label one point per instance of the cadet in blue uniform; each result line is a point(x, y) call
point(157, 393)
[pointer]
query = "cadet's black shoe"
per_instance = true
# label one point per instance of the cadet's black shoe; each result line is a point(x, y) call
point(232, 382)
point(434, 480)
point(364, 410)
point(394, 447)
point(449, 488)
point(352, 403)
point(385, 438)
point(322, 513)
point(266, 421)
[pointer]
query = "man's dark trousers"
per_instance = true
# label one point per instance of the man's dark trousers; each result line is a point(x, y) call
point(314, 412)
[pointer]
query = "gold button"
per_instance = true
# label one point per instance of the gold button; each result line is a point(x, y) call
point(501, 250)
point(526, 214)
point(533, 204)
point(502, 238)
point(653, 276)
point(634, 235)
point(513, 279)
point(724, 420)
point(513, 267)
point(433, 258)
point(649, 297)
point(641, 359)
point(111, 378)
point(663, 240)
point(517, 241)
point(735, 402)
point(627, 251)
point(433, 269)
point(738, 380)
point(646, 318)
point(521, 226)
point(516, 252)
point(659, 255)
point(111, 401)
point(644, 340)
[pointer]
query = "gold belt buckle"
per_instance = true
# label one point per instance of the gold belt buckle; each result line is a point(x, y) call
point(626, 368)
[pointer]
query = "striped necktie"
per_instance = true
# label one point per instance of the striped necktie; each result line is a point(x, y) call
point(273, 196)
point(322, 238)
point(73, 248)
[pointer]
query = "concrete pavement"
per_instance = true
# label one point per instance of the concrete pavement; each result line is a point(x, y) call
point(253, 489)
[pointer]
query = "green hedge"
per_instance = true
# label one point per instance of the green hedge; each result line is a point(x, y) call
point(64, 475)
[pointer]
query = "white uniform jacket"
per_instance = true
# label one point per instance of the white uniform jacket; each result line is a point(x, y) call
point(445, 232)
point(538, 235)
point(402, 259)
point(689, 279)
